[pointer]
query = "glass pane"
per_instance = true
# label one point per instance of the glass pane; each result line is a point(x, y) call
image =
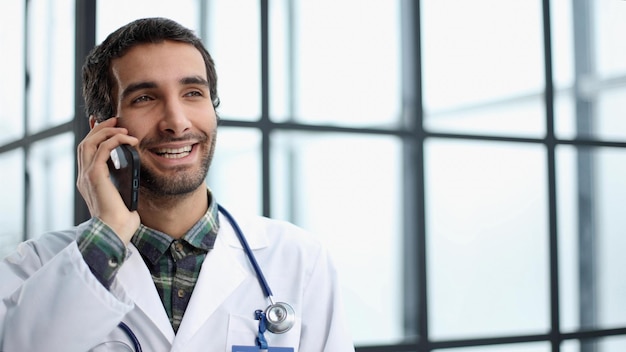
point(562, 43)
point(563, 68)
point(336, 62)
point(112, 14)
point(570, 346)
point(487, 238)
point(12, 200)
point(484, 52)
point(611, 244)
point(50, 63)
point(515, 117)
point(591, 266)
point(609, 25)
point(567, 205)
point(52, 185)
point(612, 344)
point(606, 344)
point(233, 39)
point(565, 115)
point(600, 78)
point(611, 123)
point(520, 347)
point(235, 174)
point(12, 71)
point(347, 190)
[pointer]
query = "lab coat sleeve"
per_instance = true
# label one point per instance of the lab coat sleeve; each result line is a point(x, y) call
point(55, 303)
point(324, 325)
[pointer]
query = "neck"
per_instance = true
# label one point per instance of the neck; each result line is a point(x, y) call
point(173, 215)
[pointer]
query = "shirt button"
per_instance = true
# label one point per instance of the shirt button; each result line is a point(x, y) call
point(178, 246)
point(113, 262)
point(181, 293)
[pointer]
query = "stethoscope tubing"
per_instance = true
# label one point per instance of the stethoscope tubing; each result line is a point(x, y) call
point(131, 335)
point(246, 247)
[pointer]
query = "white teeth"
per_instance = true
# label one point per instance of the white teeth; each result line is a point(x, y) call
point(171, 153)
point(174, 151)
point(175, 156)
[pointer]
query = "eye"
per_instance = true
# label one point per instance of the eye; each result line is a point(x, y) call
point(194, 93)
point(141, 99)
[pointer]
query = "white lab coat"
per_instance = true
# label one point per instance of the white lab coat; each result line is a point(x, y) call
point(52, 302)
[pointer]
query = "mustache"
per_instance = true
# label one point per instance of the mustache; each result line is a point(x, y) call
point(147, 143)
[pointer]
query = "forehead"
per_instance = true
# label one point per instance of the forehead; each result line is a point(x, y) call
point(158, 61)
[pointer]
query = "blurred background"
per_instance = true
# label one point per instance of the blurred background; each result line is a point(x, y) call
point(465, 161)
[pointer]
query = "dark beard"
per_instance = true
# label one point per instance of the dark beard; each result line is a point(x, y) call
point(183, 183)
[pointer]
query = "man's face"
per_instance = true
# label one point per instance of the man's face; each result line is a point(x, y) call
point(163, 99)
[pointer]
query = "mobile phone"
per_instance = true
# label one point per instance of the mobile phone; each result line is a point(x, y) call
point(124, 168)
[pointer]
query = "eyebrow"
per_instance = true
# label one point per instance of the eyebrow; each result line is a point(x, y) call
point(194, 80)
point(133, 87)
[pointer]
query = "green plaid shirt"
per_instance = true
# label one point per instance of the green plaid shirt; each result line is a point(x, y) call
point(174, 264)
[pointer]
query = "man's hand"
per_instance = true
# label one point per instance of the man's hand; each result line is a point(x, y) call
point(94, 184)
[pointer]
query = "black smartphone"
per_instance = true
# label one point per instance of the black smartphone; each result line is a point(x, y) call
point(124, 170)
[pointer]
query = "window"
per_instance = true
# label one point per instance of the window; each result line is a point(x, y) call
point(37, 100)
point(463, 160)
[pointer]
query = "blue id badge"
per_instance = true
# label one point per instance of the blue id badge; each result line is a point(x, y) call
point(257, 349)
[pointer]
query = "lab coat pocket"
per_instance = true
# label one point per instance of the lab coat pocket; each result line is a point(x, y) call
point(243, 331)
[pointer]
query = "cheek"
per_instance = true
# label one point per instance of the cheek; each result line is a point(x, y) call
point(137, 130)
point(206, 120)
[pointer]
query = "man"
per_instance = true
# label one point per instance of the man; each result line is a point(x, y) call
point(172, 274)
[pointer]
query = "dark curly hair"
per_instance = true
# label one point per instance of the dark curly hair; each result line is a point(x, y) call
point(97, 80)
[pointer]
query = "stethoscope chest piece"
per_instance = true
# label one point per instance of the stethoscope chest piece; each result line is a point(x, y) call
point(280, 317)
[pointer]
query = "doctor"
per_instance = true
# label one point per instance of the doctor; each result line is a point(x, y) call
point(174, 272)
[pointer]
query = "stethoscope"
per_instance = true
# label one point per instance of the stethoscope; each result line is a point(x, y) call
point(277, 318)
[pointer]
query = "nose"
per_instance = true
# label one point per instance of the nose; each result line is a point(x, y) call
point(175, 120)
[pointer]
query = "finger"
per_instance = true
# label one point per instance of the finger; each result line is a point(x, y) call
point(93, 153)
point(103, 151)
point(101, 133)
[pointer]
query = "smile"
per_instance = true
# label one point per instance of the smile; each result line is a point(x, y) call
point(171, 153)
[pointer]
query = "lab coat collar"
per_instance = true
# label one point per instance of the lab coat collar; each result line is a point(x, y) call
point(252, 227)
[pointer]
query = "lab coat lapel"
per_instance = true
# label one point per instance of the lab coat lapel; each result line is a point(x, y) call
point(135, 277)
point(221, 273)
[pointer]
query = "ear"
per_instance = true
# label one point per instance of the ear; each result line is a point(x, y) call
point(92, 121)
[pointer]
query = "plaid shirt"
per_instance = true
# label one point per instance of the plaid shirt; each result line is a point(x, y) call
point(174, 264)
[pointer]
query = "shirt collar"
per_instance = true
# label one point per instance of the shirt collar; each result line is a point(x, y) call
point(152, 244)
